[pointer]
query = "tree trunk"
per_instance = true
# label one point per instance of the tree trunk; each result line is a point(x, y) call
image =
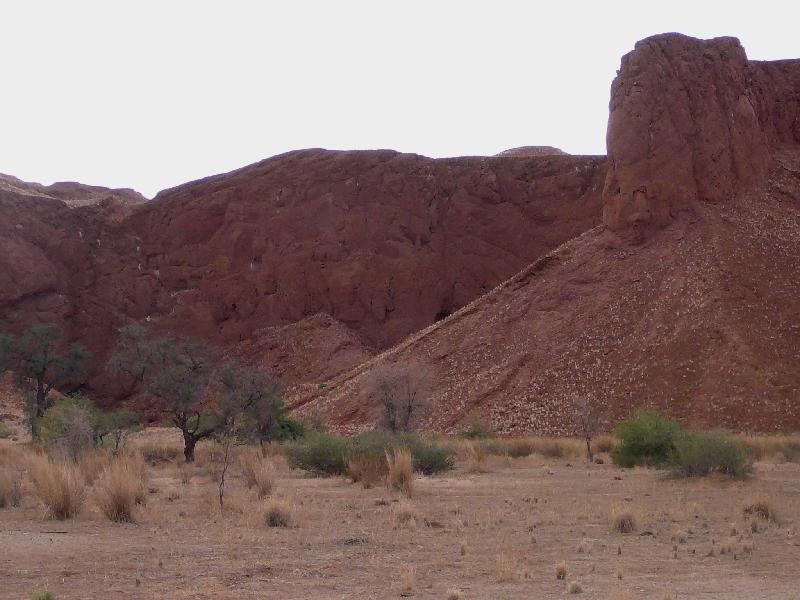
point(189, 442)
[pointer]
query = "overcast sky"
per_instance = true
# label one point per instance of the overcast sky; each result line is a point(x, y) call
point(153, 94)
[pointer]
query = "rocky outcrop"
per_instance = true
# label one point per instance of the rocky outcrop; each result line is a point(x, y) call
point(692, 121)
point(383, 243)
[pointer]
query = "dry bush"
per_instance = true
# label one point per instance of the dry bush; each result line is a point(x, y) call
point(271, 449)
point(405, 513)
point(557, 447)
point(59, 485)
point(561, 570)
point(257, 472)
point(369, 470)
point(761, 508)
point(279, 513)
point(454, 594)
point(506, 567)
point(121, 487)
point(10, 487)
point(623, 519)
point(401, 471)
point(574, 587)
point(779, 447)
point(172, 494)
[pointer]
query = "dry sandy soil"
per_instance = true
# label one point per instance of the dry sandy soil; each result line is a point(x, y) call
point(497, 534)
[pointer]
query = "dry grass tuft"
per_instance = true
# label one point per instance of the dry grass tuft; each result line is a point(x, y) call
point(10, 487)
point(761, 508)
point(574, 587)
point(603, 444)
point(59, 485)
point(92, 464)
point(155, 452)
point(279, 513)
point(257, 472)
point(561, 570)
point(406, 513)
point(185, 473)
point(408, 579)
point(121, 487)
point(623, 519)
point(454, 594)
point(401, 471)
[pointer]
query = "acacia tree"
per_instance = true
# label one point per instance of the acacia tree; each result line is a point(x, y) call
point(403, 391)
point(255, 395)
point(177, 372)
point(39, 366)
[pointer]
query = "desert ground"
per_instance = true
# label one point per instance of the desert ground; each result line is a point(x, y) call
point(495, 528)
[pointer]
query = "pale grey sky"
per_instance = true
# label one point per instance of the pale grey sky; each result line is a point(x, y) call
point(150, 94)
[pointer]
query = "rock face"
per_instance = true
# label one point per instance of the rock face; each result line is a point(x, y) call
point(383, 243)
point(699, 317)
point(692, 121)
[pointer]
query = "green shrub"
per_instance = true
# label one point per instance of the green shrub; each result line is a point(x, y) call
point(321, 454)
point(430, 458)
point(646, 438)
point(700, 454)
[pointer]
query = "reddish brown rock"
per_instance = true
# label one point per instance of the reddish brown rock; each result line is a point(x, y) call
point(382, 242)
point(692, 121)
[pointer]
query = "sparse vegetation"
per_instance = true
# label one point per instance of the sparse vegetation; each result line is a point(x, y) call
point(257, 472)
point(761, 508)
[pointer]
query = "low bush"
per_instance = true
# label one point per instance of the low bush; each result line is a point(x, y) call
point(279, 513)
point(59, 485)
point(623, 519)
point(320, 454)
point(647, 438)
point(700, 454)
point(369, 470)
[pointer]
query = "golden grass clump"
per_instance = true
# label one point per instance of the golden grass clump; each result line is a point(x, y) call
point(454, 594)
point(369, 470)
point(401, 471)
point(279, 513)
point(59, 485)
point(603, 444)
point(10, 487)
point(92, 464)
point(623, 519)
point(561, 570)
point(121, 487)
point(257, 472)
